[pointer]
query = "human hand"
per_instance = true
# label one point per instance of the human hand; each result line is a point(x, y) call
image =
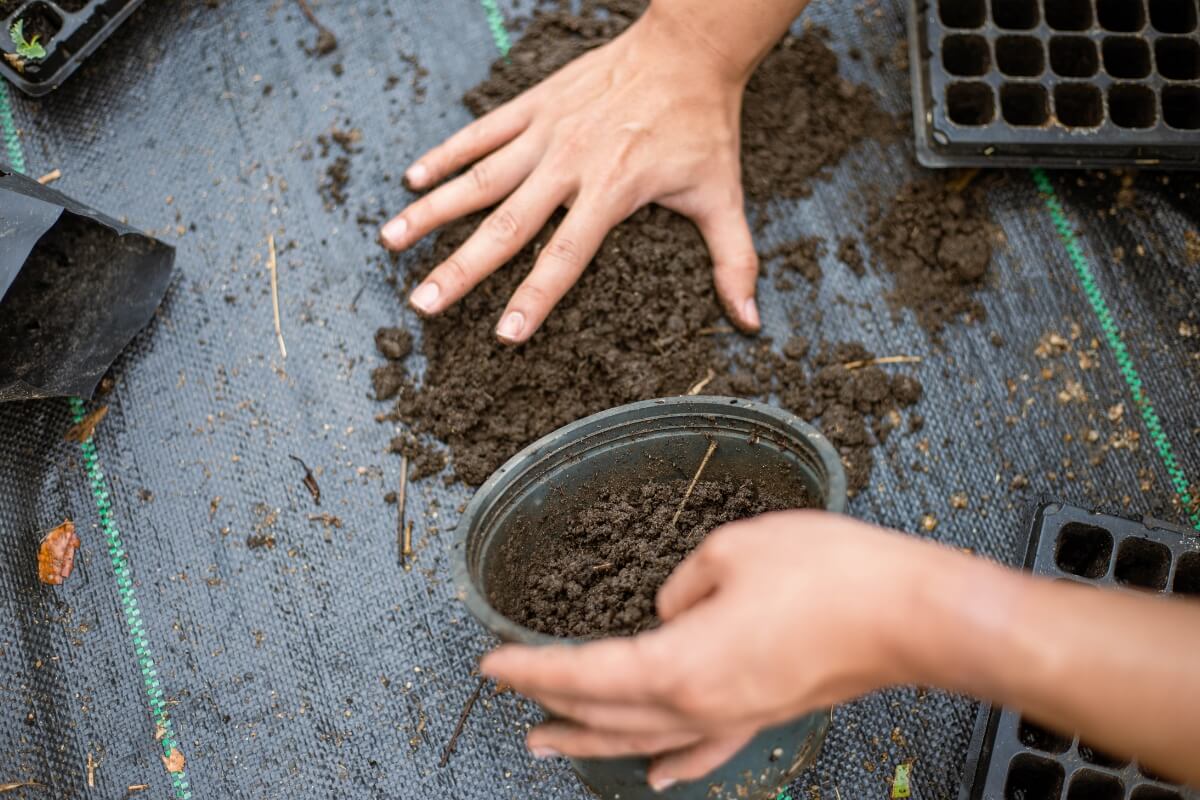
point(652, 116)
point(769, 619)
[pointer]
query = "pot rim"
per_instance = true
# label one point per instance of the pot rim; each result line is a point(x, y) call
point(472, 595)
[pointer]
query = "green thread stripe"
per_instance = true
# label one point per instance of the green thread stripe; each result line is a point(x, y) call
point(8, 130)
point(129, 605)
point(1112, 335)
point(495, 22)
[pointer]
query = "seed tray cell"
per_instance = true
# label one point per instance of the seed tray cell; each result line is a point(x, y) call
point(1079, 83)
point(69, 30)
point(1014, 758)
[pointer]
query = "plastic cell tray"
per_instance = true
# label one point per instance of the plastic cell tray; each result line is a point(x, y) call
point(70, 31)
point(1011, 758)
point(1056, 82)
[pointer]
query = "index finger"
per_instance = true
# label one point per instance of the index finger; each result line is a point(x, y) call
point(610, 669)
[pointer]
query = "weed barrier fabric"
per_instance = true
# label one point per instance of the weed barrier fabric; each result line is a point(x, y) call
point(317, 667)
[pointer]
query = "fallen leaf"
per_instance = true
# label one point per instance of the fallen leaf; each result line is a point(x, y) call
point(56, 554)
point(82, 431)
point(175, 762)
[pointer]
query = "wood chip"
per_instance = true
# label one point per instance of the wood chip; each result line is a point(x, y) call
point(83, 430)
point(871, 362)
point(699, 387)
point(91, 771)
point(13, 786)
point(275, 293)
point(50, 177)
point(712, 447)
point(452, 745)
point(310, 482)
point(134, 788)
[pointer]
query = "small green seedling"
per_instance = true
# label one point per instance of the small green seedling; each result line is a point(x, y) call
point(31, 49)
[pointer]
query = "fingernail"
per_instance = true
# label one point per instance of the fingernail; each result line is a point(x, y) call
point(543, 753)
point(662, 784)
point(393, 232)
point(424, 297)
point(750, 313)
point(416, 175)
point(509, 329)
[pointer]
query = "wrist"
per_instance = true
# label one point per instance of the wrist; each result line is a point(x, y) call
point(956, 626)
point(688, 26)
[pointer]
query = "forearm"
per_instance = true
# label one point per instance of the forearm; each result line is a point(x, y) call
point(738, 33)
point(1121, 669)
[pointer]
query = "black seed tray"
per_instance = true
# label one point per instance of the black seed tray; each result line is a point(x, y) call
point(1071, 83)
point(70, 31)
point(1011, 758)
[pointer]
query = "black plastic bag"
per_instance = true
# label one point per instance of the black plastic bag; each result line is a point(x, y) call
point(75, 287)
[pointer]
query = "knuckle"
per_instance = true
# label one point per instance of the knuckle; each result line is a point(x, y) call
point(503, 224)
point(561, 252)
point(480, 177)
point(456, 271)
point(531, 295)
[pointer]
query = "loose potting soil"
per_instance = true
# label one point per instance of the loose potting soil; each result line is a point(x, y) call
point(640, 323)
point(598, 572)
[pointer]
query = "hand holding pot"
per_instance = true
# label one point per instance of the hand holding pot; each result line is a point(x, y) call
point(783, 614)
point(768, 619)
point(653, 116)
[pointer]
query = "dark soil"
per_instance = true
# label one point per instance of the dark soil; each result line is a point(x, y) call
point(639, 323)
point(802, 255)
point(39, 22)
point(937, 243)
point(849, 254)
point(7, 7)
point(333, 185)
point(599, 576)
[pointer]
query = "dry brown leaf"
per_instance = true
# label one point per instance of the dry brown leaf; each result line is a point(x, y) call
point(175, 762)
point(56, 554)
point(82, 431)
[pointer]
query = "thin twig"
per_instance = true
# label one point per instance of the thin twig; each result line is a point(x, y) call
point(400, 499)
point(406, 551)
point(12, 787)
point(712, 448)
point(50, 177)
point(870, 362)
point(91, 771)
point(699, 387)
point(309, 15)
point(714, 331)
point(275, 293)
point(452, 745)
point(310, 481)
point(963, 180)
point(137, 787)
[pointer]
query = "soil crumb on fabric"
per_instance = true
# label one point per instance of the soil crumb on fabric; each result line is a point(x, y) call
point(849, 254)
point(600, 576)
point(802, 256)
point(937, 244)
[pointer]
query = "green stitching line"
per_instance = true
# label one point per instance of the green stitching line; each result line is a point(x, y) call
point(496, 22)
point(8, 129)
point(1112, 334)
point(129, 605)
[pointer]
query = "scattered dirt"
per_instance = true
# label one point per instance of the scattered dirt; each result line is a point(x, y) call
point(600, 576)
point(333, 184)
point(937, 243)
point(1192, 246)
point(424, 459)
point(849, 254)
point(802, 255)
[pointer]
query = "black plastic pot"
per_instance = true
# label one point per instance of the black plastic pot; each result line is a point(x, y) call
point(653, 440)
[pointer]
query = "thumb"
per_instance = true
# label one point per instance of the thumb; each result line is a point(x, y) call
point(692, 581)
point(735, 263)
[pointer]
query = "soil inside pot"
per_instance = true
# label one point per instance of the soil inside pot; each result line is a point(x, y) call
point(595, 572)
